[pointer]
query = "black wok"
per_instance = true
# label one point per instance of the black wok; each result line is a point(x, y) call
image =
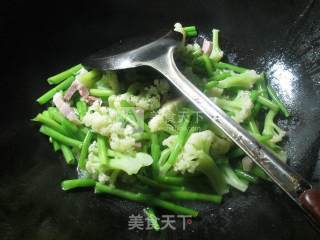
point(282, 38)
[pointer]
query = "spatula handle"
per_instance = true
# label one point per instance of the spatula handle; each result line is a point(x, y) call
point(287, 179)
point(310, 201)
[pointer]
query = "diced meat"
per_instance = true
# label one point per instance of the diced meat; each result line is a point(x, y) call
point(71, 90)
point(90, 99)
point(83, 91)
point(65, 108)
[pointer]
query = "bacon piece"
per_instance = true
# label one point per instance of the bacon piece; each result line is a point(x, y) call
point(83, 91)
point(65, 108)
point(71, 90)
point(90, 99)
point(206, 46)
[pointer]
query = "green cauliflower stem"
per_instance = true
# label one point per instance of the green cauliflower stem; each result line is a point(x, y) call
point(195, 157)
point(240, 107)
point(244, 80)
point(216, 53)
point(220, 146)
point(270, 128)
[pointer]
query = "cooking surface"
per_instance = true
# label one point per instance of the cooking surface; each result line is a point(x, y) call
point(36, 44)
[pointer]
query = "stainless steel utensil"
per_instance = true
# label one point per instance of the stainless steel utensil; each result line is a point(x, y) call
point(159, 55)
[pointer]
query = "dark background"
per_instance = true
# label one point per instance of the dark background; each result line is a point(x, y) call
point(40, 39)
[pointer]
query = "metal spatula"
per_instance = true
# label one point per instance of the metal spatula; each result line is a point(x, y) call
point(159, 55)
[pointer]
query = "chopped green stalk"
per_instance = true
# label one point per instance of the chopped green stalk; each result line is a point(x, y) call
point(254, 95)
point(42, 118)
point(223, 66)
point(261, 86)
point(191, 33)
point(164, 156)
point(77, 183)
point(69, 127)
point(256, 109)
point(146, 199)
point(104, 93)
point(149, 212)
point(82, 108)
point(84, 150)
point(207, 64)
point(88, 79)
point(155, 153)
point(246, 176)
point(67, 154)
point(275, 98)
point(155, 184)
point(64, 75)
point(177, 148)
point(190, 29)
point(237, 153)
point(141, 136)
point(215, 78)
point(267, 103)
point(211, 84)
point(172, 180)
point(56, 145)
point(216, 53)
point(192, 196)
point(253, 127)
point(262, 138)
point(114, 176)
point(60, 137)
point(102, 149)
point(49, 95)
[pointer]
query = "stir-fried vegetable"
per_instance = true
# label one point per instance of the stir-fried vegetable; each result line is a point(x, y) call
point(137, 139)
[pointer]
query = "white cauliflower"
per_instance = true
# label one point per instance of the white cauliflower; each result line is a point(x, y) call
point(148, 101)
point(240, 107)
point(106, 121)
point(94, 166)
point(195, 157)
point(167, 117)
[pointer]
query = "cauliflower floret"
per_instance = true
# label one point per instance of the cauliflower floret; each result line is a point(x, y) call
point(196, 144)
point(101, 119)
point(167, 118)
point(195, 157)
point(122, 143)
point(240, 107)
point(106, 122)
point(130, 164)
point(93, 165)
point(147, 102)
